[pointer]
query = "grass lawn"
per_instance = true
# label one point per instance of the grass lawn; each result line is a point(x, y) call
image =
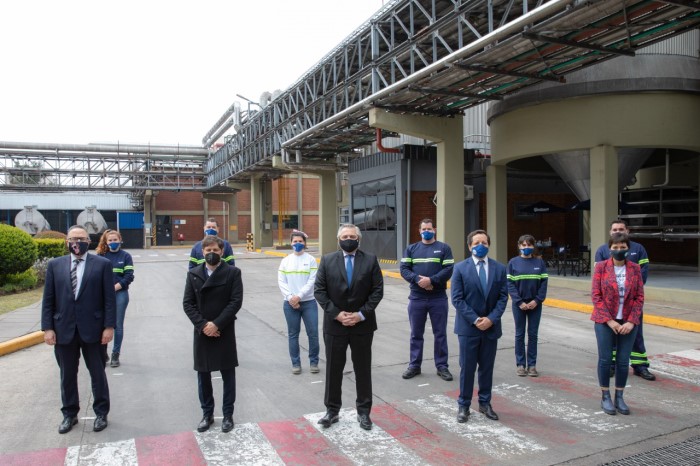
point(11, 302)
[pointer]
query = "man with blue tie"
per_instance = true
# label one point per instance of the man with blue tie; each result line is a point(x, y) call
point(479, 294)
point(349, 286)
point(78, 314)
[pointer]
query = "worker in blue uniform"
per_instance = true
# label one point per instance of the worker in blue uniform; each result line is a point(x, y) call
point(427, 266)
point(211, 228)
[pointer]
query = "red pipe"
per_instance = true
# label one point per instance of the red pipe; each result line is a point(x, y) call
point(381, 148)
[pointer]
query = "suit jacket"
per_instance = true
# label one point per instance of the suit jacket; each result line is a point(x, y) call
point(93, 310)
point(605, 293)
point(333, 294)
point(469, 300)
point(216, 298)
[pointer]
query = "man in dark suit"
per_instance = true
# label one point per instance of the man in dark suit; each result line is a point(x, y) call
point(349, 286)
point(480, 294)
point(78, 313)
point(213, 297)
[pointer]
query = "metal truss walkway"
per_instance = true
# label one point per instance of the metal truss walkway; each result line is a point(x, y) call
point(429, 57)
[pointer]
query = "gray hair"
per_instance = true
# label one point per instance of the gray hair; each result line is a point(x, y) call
point(349, 225)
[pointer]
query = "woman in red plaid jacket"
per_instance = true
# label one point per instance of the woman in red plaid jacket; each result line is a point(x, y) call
point(618, 297)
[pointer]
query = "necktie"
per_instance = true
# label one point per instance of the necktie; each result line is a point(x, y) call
point(74, 275)
point(482, 276)
point(348, 267)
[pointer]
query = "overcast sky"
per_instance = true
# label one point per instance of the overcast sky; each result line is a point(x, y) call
point(152, 70)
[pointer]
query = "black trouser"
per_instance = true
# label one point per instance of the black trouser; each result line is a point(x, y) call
point(68, 358)
point(361, 354)
point(206, 392)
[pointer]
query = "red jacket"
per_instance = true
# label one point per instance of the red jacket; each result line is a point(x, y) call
point(606, 298)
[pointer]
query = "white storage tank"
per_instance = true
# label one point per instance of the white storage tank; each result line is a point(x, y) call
point(92, 220)
point(30, 220)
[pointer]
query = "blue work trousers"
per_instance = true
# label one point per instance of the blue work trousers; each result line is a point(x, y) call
point(418, 311)
point(308, 312)
point(531, 320)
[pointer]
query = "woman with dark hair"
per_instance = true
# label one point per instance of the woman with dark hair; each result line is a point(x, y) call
point(618, 297)
point(296, 277)
point(110, 246)
point(527, 286)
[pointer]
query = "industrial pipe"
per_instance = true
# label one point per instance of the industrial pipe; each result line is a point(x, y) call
point(381, 148)
point(118, 148)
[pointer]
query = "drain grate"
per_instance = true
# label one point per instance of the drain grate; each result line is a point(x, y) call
point(686, 453)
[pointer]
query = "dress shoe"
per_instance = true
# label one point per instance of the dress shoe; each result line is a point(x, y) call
point(314, 370)
point(365, 421)
point(607, 404)
point(645, 374)
point(463, 414)
point(444, 374)
point(488, 411)
point(411, 372)
point(328, 419)
point(521, 371)
point(100, 423)
point(620, 404)
point(67, 424)
point(532, 371)
point(227, 424)
point(205, 423)
point(115, 360)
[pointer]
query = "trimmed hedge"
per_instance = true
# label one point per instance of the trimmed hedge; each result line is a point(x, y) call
point(51, 247)
point(50, 234)
point(18, 251)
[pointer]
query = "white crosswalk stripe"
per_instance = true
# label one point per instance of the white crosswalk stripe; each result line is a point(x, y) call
point(107, 454)
point(245, 444)
point(364, 447)
point(493, 438)
point(588, 418)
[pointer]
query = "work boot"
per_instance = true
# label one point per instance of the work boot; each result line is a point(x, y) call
point(620, 404)
point(607, 404)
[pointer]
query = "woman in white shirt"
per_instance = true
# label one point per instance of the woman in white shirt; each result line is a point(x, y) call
point(295, 277)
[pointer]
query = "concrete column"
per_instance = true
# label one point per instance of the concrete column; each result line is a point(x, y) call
point(604, 193)
point(327, 213)
point(147, 199)
point(229, 231)
point(266, 239)
point(256, 211)
point(447, 133)
point(497, 211)
point(698, 206)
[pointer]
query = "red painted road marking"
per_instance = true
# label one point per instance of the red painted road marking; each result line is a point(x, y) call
point(299, 443)
point(54, 457)
point(181, 449)
point(443, 450)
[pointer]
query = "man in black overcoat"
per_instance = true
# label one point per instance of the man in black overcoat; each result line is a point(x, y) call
point(349, 286)
point(213, 296)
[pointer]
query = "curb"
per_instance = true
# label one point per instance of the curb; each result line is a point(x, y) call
point(25, 341)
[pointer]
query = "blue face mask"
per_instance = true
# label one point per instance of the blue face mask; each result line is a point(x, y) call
point(298, 247)
point(480, 250)
point(527, 251)
point(427, 235)
point(211, 232)
point(114, 246)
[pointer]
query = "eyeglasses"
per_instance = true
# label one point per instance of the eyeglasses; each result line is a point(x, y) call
point(79, 240)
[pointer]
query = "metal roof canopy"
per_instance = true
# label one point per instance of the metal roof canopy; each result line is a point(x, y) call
point(439, 57)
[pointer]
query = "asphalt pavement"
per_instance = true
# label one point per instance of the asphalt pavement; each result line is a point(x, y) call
point(553, 419)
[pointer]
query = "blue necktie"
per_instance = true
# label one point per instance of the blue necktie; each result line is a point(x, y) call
point(482, 277)
point(348, 267)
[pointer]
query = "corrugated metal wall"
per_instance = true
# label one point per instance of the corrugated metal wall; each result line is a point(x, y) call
point(65, 201)
point(687, 44)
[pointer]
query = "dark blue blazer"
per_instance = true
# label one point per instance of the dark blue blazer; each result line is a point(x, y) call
point(469, 300)
point(91, 312)
point(333, 294)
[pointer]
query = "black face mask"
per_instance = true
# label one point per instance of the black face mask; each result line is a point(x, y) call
point(212, 258)
point(619, 254)
point(349, 245)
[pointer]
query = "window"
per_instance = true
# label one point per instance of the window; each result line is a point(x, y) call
point(374, 205)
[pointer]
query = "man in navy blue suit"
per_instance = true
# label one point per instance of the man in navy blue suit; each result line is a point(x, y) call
point(78, 313)
point(480, 294)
